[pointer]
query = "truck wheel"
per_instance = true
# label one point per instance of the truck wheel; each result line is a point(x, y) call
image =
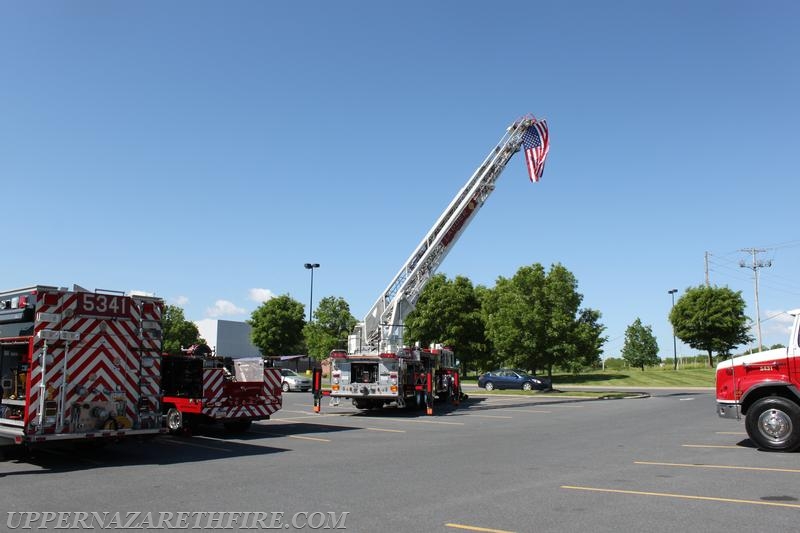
point(489, 386)
point(773, 423)
point(174, 421)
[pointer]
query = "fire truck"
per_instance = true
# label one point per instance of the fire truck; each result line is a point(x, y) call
point(199, 387)
point(765, 388)
point(76, 364)
point(377, 368)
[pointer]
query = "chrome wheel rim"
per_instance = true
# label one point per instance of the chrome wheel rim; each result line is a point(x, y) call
point(775, 425)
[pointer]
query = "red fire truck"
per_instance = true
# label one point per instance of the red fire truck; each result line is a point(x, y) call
point(410, 377)
point(199, 387)
point(76, 364)
point(765, 388)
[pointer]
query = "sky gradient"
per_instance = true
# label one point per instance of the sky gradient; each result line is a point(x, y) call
point(204, 151)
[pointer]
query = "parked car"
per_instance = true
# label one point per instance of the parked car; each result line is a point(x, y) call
point(509, 378)
point(292, 381)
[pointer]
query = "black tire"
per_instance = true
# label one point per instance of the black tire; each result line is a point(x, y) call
point(174, 421)
point(237, 426)
point(285, 387)
point(489, 386)
point(527, 386)
point(773, 423)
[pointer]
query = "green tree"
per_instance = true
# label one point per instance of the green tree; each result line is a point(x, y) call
point(711, 319)
point(177, 331)
point(333, 323)
point(534, 320)
point(514, 313)
point(449, 312)
point(277, 326)
point(589, 340)
point(640, 346)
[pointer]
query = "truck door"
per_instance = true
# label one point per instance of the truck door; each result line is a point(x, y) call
point(793, 351)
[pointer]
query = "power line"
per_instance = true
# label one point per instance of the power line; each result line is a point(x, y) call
point(787, 244)
point(778, 283)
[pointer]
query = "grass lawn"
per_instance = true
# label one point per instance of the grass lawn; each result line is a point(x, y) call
point(651, 377)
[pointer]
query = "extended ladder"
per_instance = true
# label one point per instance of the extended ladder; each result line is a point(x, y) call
point(382, 329)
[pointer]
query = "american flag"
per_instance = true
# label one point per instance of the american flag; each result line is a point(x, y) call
point(536, 141)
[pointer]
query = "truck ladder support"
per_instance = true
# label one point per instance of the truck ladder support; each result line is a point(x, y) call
point(316, 388)
point(429, 392)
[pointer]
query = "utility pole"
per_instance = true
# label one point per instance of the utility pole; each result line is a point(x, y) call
point(755, 266)
point(674, 343)
point(708, 284)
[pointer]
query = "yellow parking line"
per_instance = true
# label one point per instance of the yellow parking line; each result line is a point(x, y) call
point(308, 438)
point(684, 496)
point(475, 528)
point(294, 436)
point(728, 467)
point(710, 446)
point(388, 430)
point(421, 421)
point(293, 418)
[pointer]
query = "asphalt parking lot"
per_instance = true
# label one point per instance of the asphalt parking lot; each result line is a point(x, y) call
point(496, 464)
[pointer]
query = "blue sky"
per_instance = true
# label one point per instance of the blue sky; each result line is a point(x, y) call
point(204, 151)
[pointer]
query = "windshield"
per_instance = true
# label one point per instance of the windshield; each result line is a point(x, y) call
point(287, 372)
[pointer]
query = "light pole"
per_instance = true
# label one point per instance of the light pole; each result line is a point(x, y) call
point(674, 343)
point(311, 267)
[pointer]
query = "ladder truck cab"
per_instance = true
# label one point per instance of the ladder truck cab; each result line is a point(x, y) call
point(377, 367)
point(765, 388)
point(373, 381)
point(76, 364)
point(199, 387)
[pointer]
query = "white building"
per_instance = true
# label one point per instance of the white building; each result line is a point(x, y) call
point(228, 338)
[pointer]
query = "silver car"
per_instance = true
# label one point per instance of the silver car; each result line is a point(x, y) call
point(292, 381)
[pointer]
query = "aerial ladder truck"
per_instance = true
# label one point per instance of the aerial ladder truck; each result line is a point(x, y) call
point(377, 369)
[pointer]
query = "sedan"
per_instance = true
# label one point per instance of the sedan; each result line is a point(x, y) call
point(291, 380)
point(506, 378)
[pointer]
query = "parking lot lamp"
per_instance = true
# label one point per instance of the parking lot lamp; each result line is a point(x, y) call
point(311, 267)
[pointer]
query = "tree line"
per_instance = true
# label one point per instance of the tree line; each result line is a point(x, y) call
point(532, 320)
point(710, 319)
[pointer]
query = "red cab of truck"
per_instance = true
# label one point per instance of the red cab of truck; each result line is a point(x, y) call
point(764, 387)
